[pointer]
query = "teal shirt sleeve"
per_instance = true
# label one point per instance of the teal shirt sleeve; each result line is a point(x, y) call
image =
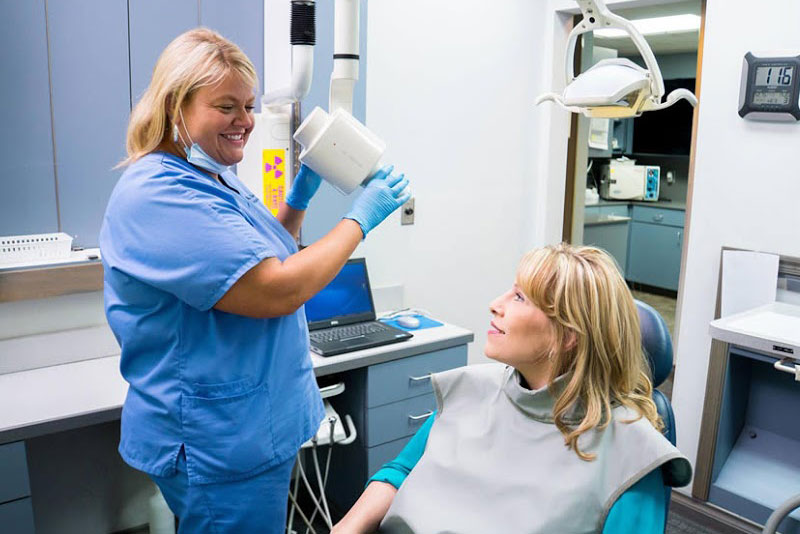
point(641, 509)
point(396, 471)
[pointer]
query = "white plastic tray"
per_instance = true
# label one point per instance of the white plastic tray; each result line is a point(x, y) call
point(773, 328)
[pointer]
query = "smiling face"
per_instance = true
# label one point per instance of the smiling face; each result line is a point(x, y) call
point(219, 118)
point(521, 335)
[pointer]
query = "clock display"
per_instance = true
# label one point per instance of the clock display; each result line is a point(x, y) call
point(771, 98)
point(774, 76)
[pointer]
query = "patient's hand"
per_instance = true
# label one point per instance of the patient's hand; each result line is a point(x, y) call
point(367, 513)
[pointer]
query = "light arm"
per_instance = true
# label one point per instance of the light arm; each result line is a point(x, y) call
point(597, 16)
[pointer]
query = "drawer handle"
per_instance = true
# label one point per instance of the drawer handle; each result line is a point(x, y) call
point(658, 217)
point(423, 416)
point(786, 365)
point(419, 378)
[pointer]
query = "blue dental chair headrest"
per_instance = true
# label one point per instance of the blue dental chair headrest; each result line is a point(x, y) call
point(656, 342)
point(657, 345)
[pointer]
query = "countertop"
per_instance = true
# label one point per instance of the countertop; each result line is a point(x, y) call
point(665, 204)
point(595, 219)
point(81, 393)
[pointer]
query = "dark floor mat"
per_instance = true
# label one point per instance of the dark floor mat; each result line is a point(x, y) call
point(680, 525)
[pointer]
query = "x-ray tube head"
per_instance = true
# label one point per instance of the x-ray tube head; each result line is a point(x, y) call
point(339, 148)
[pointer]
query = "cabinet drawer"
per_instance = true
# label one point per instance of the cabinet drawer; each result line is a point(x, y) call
point(17, 517)
point(408, 377)
point(591, 210)
point(13, 472)
point(621, 210)
point(377, 456)
point(658, 216)
point(398, 419)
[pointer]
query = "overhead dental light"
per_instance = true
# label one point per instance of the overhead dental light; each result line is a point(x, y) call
point(615, 87)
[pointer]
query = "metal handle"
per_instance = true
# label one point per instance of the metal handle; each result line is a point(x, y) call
point(658, 217)
point(423, 416)
point(419, 378)
point(330, 391)
point(786, 365)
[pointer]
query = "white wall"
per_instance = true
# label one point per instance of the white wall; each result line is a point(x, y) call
point(450, 89)
point(746, 187)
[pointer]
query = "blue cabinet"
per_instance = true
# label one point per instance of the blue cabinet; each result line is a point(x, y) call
point(90, 88)
point(750, 442)
point(241, 21)
point(16, 512)
point(607, 227)
point(28, 194)
point(17, 517)
point(654, 252)
point(72, 70)
point(152, 25)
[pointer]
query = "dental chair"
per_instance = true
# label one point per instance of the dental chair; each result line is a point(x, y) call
point(657, 345)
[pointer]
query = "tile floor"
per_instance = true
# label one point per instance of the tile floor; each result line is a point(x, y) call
point(663, 304)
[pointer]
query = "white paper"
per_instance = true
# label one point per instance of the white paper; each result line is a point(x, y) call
point(749, 280)
point(598, 133)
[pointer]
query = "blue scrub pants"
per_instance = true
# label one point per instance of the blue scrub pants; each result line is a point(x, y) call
point(253, 505)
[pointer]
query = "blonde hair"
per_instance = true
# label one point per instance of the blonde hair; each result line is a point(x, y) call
point(597, 342)
point(197, 58)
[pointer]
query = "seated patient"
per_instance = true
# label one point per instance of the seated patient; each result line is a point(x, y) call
point(560, 436)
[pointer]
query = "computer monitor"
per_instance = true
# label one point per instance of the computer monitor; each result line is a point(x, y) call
point(346, 299)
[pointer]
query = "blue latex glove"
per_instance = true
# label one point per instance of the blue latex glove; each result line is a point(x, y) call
point(383, 194)
point(304, 186)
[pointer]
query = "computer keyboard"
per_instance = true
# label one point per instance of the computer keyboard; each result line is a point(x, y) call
point(345, 332)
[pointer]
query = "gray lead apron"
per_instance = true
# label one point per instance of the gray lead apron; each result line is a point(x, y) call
point(495, 462)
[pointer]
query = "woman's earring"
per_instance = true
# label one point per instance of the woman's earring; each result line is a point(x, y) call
point(174, 133)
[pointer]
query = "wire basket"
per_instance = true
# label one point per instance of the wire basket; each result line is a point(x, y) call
point(34, 247)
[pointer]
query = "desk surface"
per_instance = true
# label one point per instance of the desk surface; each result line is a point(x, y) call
point(773, 328)
point(72, 395)
point(666, 204)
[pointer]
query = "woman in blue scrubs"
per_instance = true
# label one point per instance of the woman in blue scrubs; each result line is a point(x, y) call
point(561, 438)
point(204, 291)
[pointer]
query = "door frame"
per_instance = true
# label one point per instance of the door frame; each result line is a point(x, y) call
point(572, 153)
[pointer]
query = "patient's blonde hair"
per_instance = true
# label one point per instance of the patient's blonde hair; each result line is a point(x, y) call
point(195, 59)
point(583, 293)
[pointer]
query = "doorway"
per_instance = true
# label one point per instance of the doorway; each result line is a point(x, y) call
point(644, 236)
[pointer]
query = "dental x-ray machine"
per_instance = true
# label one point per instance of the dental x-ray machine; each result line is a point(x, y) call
point(341, 150)
point(614, 87)
point(335, 144)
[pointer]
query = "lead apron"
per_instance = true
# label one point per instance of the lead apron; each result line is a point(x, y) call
point(495, 462)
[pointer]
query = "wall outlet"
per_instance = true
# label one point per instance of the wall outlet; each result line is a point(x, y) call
point(407, 212)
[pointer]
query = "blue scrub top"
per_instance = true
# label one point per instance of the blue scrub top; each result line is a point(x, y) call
point(238, 393)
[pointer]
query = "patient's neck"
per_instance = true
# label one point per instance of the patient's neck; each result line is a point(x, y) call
point(533, 380)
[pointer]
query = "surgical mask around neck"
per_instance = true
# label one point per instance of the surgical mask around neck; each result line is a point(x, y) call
point(195, 154)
